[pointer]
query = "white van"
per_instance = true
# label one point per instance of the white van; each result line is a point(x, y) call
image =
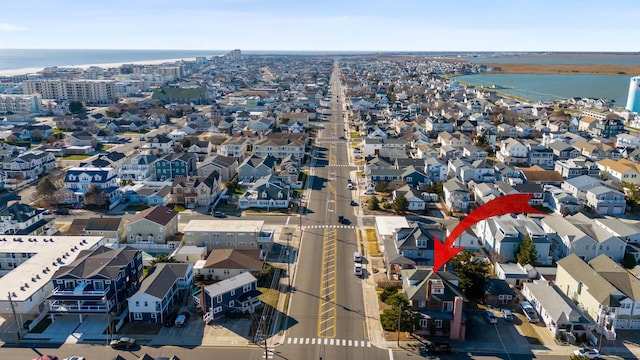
point(357, 257)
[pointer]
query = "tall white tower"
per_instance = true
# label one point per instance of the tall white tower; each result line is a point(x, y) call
point(633, 101)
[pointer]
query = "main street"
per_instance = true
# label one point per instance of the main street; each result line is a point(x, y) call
point(327, 319)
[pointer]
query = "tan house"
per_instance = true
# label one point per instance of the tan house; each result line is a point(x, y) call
point(225, 263)
point(622, 170)
point(196, 191)
point(112, 228)
point(152, 226)
point(228, 234)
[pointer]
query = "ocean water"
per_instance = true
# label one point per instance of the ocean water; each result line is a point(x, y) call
point(555, 59)
point(32, 58)
point(555, 87)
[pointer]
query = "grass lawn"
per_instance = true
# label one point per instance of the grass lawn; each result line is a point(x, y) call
point(269, 296)
point(42, 325)
point(355, 135)
point(178, 208)
point(372, 242)
point(75, 157)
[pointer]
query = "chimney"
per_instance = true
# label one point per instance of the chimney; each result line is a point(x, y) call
point(428, 290)
point(457, 331)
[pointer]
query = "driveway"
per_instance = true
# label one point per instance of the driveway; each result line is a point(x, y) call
point(484, 336)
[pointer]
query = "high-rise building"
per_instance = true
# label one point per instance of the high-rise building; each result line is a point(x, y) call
point(633, 101)
point(89, 91)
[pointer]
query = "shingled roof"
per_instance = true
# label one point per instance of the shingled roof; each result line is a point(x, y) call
point(157, 214)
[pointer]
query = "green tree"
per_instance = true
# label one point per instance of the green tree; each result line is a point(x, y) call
point(185, 142)
point(381, 186)
point(527, 253)
point(46, 189)
point(76, 107)
point(373, 203)
point(231, 186)
point(436, 188)
point(400, 204)
point(387, 292)
point(472, 274)
point(629, 261)
point(162, 258)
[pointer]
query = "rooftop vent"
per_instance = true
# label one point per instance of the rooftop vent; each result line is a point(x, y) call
point(13, 294)
point(38, 276)
point(45, 240)
point(33, 279)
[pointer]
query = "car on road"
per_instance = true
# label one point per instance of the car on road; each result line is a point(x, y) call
point(219, 214)
point(588, 353)
point(350, 186)
point(435, 348)
point(357, 269)
point(343, 138)
point(492, 319)
point(75, 358)
point(353, 203)
point(62, 212)
point(341, 218)
point(123, 343)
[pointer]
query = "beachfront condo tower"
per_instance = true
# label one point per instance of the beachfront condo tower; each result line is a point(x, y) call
point(633, 101)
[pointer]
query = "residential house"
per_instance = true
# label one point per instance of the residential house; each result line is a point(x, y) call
point(456, 139)
point(237, 294)
point(222, 264)
point(159, 144)
point(81, 179)
point(202, 148)
point(578, 186)
point(456, 195)
point(473, 153)
point(256, 167)
point(22, 219)
point(498, 293)
point(583, 238)
point(413, 196)
point(605, 200)
point(173, 165)
point(557, 312)
point(438, 125)
point(165, 287)
point(512, 152)
point(448, 152)
point(98, 281)
point(467, 239)
point(502, 236)
point(138, 167)
point(81, 138)
point(536, 190)
point(435, 169)
point(226, 166)
point(484, 192)
point(372, 147)
point(595, 296)
point(229, 234)
point(561, 201)
point(541, 156)
point(576, 167)
point(538, 175)
point(281, 145)
point(111, 159)
point(266, 193)
point(439, 301)
point(622, 170)
point(29, 165)
point(148, 194)
point(196, 191)
point(234, 147)
point(563, 151)
point(154, 225)
point(111, 228)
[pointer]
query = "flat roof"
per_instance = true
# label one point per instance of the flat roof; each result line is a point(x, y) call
point(387, 225)
point(43, 253)
point(224, 225)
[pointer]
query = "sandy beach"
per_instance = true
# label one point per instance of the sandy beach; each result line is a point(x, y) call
point(22, 71)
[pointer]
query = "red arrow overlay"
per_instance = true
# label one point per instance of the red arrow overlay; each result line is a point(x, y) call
point(515, 203)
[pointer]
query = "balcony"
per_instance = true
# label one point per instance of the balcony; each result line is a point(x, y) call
point(81, 290)
point(77, 307)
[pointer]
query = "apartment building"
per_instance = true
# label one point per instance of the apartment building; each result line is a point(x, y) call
point(88, 91)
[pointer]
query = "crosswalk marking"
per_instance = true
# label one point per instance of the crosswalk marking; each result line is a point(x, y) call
point(269, 353)
point(328, 341)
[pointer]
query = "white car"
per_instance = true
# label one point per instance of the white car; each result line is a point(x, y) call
point(357, 269)
point(369, 192)
point(75, 358)
point(587, 352)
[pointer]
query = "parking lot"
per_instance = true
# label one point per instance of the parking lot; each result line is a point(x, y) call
point(502, 335)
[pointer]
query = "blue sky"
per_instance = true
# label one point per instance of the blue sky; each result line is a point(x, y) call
point(358, 25)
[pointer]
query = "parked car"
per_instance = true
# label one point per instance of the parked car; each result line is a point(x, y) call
point(492, 319)
point(435, 348)
point(170, 319)
point(62, 211)
point(529, 311)
point(587, 352)
point(369, 191)
point(341, 218)
point(123, 343)
point(219, 214)
point(507, 315)
point(182, 318)
point(353, 203)
point(357, 269)
point(75, 358)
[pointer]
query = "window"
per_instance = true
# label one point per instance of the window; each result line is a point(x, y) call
point(447, 306)
point(437, 323)
point(217, 309)
point(146, 304)
point(246, 288)
point(424, 323)
point(219, 298)
point(231, 304)
point(137, 303)
point(233, 292)
point(137, 316)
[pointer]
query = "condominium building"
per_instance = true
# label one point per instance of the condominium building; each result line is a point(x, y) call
point(20, 104)
point(88, 91)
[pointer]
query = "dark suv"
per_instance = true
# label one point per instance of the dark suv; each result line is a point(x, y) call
point(436, 348)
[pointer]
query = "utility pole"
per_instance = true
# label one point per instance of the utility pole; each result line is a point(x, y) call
point(289, 260)
point(13, 310)
point(399, 316)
